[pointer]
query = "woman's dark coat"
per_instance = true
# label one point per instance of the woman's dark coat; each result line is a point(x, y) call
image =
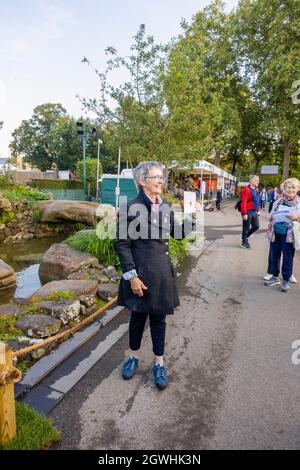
point(149, 257)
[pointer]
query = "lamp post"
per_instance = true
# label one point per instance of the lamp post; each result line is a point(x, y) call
point(98, 169)
point(84, 135)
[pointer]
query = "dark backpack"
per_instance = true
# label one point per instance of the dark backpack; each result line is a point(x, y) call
point(238, 205)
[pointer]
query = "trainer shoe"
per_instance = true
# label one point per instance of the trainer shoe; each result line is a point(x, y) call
point(274, 281)
point(246, 245)
point(268, 277)
point(285, 286)
point(129, 367)
point(293, 279)
point(160, 376)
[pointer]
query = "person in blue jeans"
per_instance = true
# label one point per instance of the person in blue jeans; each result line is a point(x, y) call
point(280, 233)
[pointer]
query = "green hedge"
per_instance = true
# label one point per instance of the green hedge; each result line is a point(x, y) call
point(52, 183)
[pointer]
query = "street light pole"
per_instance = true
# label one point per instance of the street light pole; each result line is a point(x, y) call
point(84, 135)
point(98, 170)
point(84, 163)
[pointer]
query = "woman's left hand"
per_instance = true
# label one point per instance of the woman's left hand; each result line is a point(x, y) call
point(293, 217)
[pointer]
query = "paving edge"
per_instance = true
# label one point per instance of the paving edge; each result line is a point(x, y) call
point(48, 363)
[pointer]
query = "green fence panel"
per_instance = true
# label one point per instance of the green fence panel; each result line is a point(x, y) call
point(66, 194)
point(127, 188)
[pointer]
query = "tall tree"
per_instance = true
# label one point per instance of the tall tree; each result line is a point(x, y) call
point(201, 86)
point(134, 114)
point(48, 138)
point(268, 38)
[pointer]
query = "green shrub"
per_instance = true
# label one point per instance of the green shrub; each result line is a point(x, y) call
point(178, 248)
point(37, 215)
point(53, 183)
point(8, 332)
point(103, 249)
point(80, 241)
point(17, 191)
point(6, 217)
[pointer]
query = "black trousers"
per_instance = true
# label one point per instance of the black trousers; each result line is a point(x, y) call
point(157, 328)
point(269, 271)
point(250, 225)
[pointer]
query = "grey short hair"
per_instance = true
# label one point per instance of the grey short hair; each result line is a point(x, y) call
point(142, 170)
point(294, 181)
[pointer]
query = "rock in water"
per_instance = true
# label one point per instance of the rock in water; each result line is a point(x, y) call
point(74, 211)
point(61, 260)
point(7, 276)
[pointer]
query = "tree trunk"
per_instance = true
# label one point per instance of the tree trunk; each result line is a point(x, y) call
point(217, 159)
point(234, 162)
point(286, 159)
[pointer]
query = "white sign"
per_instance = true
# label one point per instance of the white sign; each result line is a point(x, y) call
point(189, 199)
point(203, 187)
point(220, 183)
point(63, 175)
point(269, 170)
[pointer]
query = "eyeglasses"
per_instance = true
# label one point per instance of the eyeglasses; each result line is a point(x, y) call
point(156, 178)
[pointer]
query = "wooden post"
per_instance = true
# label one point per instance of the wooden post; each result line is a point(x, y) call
point(8, 376)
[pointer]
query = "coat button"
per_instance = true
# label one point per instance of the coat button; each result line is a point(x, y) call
point(166, 243)
point(167, 252)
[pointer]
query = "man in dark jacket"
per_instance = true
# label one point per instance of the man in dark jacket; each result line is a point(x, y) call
point(218, 200)
point(148, 284)
point(250, 210)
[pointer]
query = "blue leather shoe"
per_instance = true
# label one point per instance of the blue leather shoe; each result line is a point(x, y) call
point(160, 376)
point(129, 367)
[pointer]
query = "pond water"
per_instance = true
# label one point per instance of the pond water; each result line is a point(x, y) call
point(25, 258)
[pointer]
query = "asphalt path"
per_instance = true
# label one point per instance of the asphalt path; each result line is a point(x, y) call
point(233, 384)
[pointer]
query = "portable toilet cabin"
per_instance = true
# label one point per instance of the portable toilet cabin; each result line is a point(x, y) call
point(109, 184)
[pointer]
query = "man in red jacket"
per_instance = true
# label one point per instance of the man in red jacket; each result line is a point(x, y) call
point(250, 210)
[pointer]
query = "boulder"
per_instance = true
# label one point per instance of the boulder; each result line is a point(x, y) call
point(111, 272)
point(61, 260)
point(77, 287)
point(38, 326)
point(108, 291)
point(65, 310)
point(74, 211)
point(5, 204)
point(7, 276)
point(92, 309)
point(10, 309)
point(22, 300)
point(87, 300)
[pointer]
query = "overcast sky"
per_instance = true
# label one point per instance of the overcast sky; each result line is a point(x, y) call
point(42, 43)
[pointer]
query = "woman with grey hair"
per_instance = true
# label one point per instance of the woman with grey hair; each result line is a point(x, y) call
point(148, 284)
point(285, 210)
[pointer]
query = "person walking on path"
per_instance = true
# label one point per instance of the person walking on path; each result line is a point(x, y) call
point(218, 200)
point(148, 284)
point(263, 198)
point(280, 233)
point(250, 210)
point(274, 195)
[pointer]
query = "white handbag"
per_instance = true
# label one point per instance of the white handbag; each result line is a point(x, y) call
point(296, 231)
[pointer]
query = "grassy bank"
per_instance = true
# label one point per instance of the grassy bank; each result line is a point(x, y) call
point(34, 432)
